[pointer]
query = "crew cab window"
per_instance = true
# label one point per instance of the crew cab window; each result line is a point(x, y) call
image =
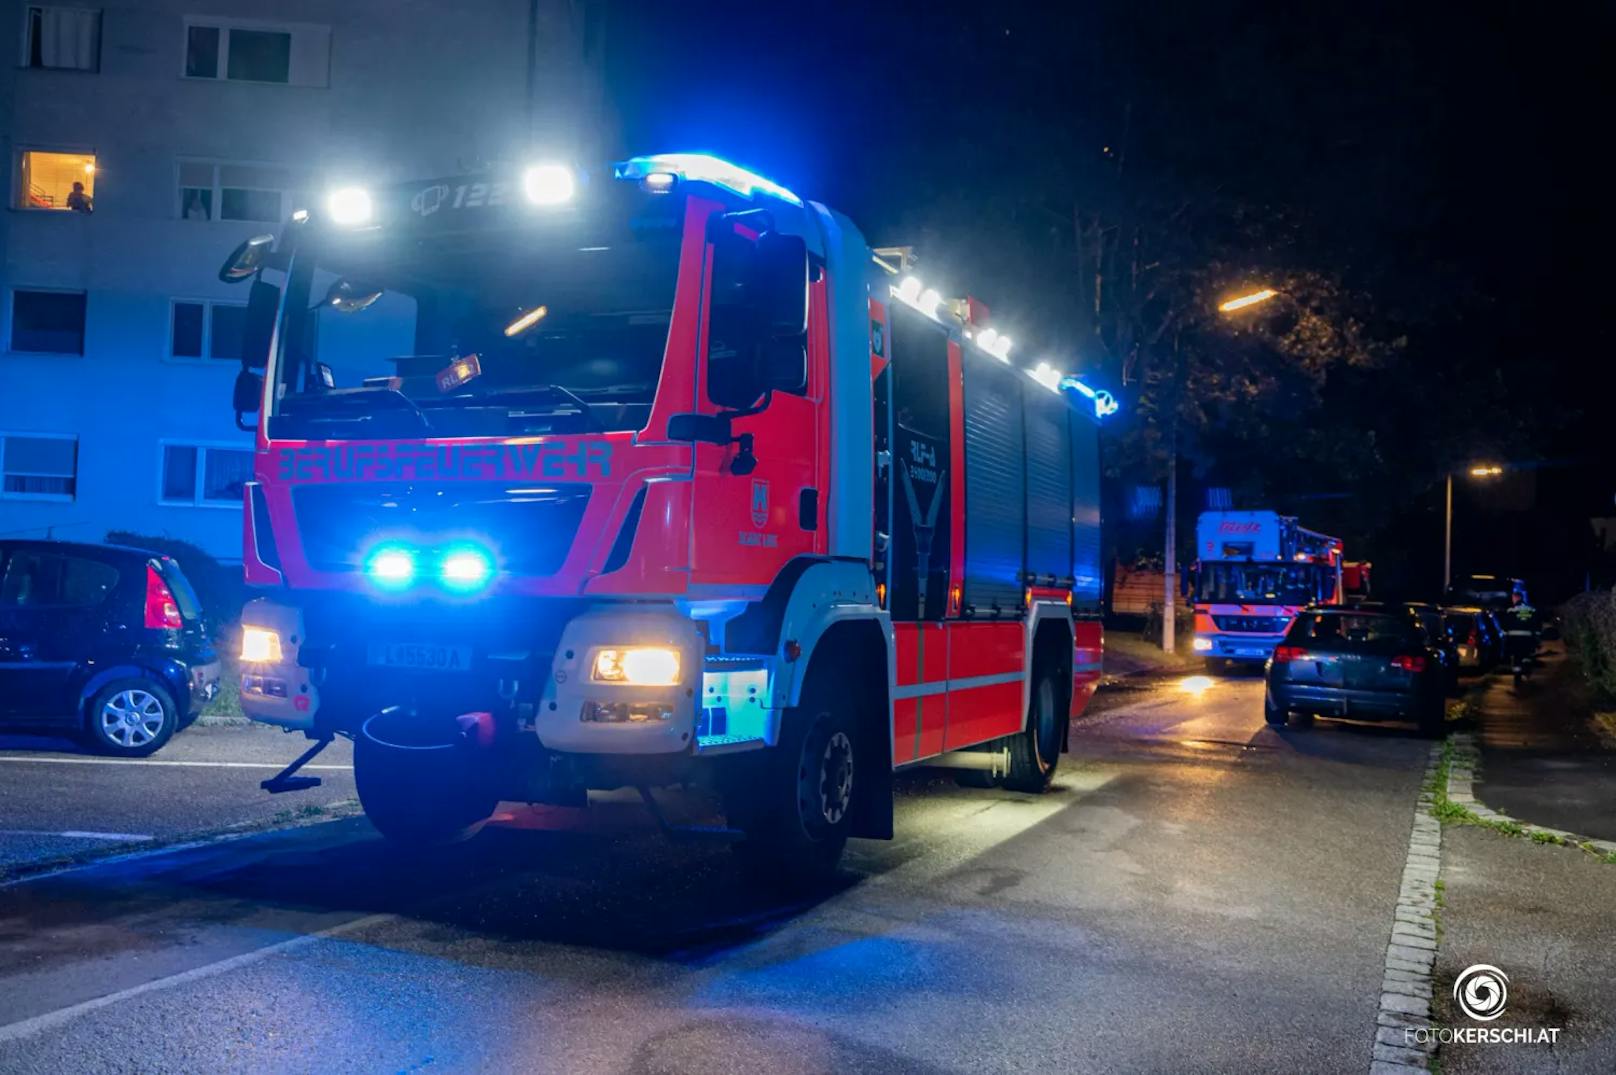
point(44, 579)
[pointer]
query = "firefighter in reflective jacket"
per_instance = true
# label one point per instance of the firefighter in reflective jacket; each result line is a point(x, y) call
point(1520, 622)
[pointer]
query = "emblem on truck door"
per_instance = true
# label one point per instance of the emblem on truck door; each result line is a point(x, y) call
point(760, 502)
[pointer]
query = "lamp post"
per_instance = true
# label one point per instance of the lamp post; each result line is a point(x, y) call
point(1479, 470)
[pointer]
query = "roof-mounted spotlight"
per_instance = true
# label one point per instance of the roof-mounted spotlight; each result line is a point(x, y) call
point(349, 206)
point(549, 184)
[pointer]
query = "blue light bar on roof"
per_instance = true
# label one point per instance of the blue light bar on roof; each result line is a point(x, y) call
point(1104, 402)
point(702, 168)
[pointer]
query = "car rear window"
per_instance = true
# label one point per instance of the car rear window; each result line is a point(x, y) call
point(1350, 628)
point(184, 596)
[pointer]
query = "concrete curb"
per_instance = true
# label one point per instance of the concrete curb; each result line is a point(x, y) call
point(1406, 989)
point(1461, 789)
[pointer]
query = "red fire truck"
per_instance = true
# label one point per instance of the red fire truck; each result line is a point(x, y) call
point(645, 478)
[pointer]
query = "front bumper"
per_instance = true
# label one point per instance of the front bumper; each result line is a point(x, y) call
point(557, 698)
point(1238, 647)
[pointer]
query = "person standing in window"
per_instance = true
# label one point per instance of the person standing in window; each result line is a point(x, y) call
point(80, 202)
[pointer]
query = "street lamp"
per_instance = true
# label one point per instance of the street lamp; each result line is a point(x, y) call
point(1242, 301)
point(1479, 471)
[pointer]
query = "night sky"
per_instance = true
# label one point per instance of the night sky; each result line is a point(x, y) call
point(1441, 162)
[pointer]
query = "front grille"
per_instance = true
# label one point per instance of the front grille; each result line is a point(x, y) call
point(530, 528)
point(1256, 625)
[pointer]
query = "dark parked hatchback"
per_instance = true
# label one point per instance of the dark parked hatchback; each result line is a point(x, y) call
point(104, 640)
point(1363, 665)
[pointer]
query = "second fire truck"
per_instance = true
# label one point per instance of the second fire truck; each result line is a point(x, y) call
point(649, 477)
point(1254, 571)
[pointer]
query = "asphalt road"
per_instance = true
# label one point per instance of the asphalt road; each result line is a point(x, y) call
point(1199, 892)
point(59, 801)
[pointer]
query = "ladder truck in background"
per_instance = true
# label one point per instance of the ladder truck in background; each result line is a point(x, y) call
point(1254, 571)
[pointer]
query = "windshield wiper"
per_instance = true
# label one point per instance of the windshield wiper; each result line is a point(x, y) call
point(309, 404)
point(530, 391)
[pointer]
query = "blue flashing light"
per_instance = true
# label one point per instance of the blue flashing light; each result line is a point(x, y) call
point(703, 168)
point(391, 567)
point(1104, 402)
point(466, 568)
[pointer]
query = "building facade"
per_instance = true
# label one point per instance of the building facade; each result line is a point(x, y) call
point(146, 139)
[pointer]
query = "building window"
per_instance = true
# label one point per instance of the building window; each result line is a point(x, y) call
point(204, 474)
point(38, 466)
point(206, 329)
point(284, 55)
point(233, 192)
point(47, 322)
point(62, 38)
point(64, 181)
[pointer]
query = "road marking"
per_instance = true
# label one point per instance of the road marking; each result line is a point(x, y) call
point(75, 834)
point(165, 761)
point(49, 1020)
point(1406, 989)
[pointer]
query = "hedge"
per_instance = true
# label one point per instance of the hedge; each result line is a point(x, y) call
point(1589, 629)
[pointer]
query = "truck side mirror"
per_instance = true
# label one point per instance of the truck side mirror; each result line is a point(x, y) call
point(247, 396)
point(258, 327)
point(246, 259)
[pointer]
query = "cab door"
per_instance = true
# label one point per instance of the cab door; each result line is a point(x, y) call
point(758, 501)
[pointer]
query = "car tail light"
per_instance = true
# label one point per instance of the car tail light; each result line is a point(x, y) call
point(1474, 639)
point(1409, 663)
point(1289, 653)
point(161, 609)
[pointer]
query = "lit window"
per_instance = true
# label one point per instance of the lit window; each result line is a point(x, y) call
point(38, 466)
point(60, 181)
point(207, 330)
point(47, 322)
point(292, 55)
point(204, 474)
point(63, 38)
point(233, 192)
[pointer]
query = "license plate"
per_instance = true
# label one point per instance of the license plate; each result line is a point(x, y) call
point(426, 658)
point(1252, 653)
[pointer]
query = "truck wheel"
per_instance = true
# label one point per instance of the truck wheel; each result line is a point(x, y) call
point(421, 796)
point(131, 718)
point(1035, 751)
point(798, 811)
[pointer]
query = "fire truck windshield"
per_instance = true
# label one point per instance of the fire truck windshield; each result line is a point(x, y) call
point(1261, 584)
point(490, 333)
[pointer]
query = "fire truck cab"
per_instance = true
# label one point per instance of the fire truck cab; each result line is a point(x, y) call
point(1254, 571)
point(649, 477)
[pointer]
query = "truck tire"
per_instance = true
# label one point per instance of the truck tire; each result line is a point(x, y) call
point(1035, 751)
point(421, 796)
point(797, 807)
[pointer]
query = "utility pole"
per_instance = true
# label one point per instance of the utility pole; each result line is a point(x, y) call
point(1170, 541)
point(1447, 540)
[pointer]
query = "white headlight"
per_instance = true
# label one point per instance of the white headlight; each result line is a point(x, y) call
point(548, 184)
point(638, 666)
point(349, 206)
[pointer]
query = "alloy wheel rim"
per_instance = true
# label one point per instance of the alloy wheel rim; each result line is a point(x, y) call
point(132, 718)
